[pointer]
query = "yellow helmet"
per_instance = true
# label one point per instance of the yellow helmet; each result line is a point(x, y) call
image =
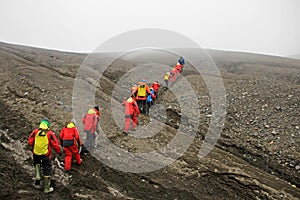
point(44, 124)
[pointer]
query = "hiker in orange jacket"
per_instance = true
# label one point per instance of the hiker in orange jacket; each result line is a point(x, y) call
point(131, 113)
point(41, 140)
point(90, 122)
point(70, 140)
point(141, 95)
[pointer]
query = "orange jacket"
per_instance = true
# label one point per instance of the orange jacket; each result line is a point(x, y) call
point(143, 98)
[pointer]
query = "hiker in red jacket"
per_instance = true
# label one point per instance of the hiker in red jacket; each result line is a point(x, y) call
point(69, 138)
point(156, 86)
point(131, 113)
point(173, 75)
point(41, 140)
point(179, 68)
point(90, 122)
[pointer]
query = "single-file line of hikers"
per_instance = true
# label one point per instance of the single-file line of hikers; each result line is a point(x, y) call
point(42, 139)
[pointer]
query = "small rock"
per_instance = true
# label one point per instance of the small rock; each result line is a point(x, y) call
point(297, 167)
point(274, 132)
point(278, 108)
point(68, 108)
point(44, 103)
point(267, 126)
point(271, 142)
point(26, 93)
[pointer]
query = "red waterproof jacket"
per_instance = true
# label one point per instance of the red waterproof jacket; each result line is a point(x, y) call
point(51, 141)
point(131, 107)
point(155, 86)
point(69, 136)
point(90, 120)
point(179, 67)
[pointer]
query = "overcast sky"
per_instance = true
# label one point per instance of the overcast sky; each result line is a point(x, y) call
point(259, 26)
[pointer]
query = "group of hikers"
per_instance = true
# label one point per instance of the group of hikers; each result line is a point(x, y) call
point(42, 139)
point(142, 96)
point(174, 74)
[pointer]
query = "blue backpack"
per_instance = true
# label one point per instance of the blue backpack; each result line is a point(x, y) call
point(149, 98)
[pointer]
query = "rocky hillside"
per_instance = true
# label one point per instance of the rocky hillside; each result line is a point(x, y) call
point(257, 156)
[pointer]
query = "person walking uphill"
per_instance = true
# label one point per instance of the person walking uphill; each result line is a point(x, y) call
point(166, 79)
point(141, 95)
point(69, 138)
point(90, 122)
point(131, 113)
point(155, 86)
point(41, 140)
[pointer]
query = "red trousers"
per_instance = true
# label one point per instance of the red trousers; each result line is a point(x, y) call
point(128, 119)
point(69, 151)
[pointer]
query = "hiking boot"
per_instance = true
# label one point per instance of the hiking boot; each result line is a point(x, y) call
point(37, 184)
point(38, 172)
point(47, 186)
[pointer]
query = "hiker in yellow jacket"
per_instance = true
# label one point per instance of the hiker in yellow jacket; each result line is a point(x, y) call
point(141, 95)
point(166, 79)
point(41, 140)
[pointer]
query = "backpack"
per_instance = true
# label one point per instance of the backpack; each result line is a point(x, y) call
point(149, 98)
point(142, 90)
point(41, 143)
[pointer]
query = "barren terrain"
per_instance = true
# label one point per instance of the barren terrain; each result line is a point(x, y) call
point(257, 156)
